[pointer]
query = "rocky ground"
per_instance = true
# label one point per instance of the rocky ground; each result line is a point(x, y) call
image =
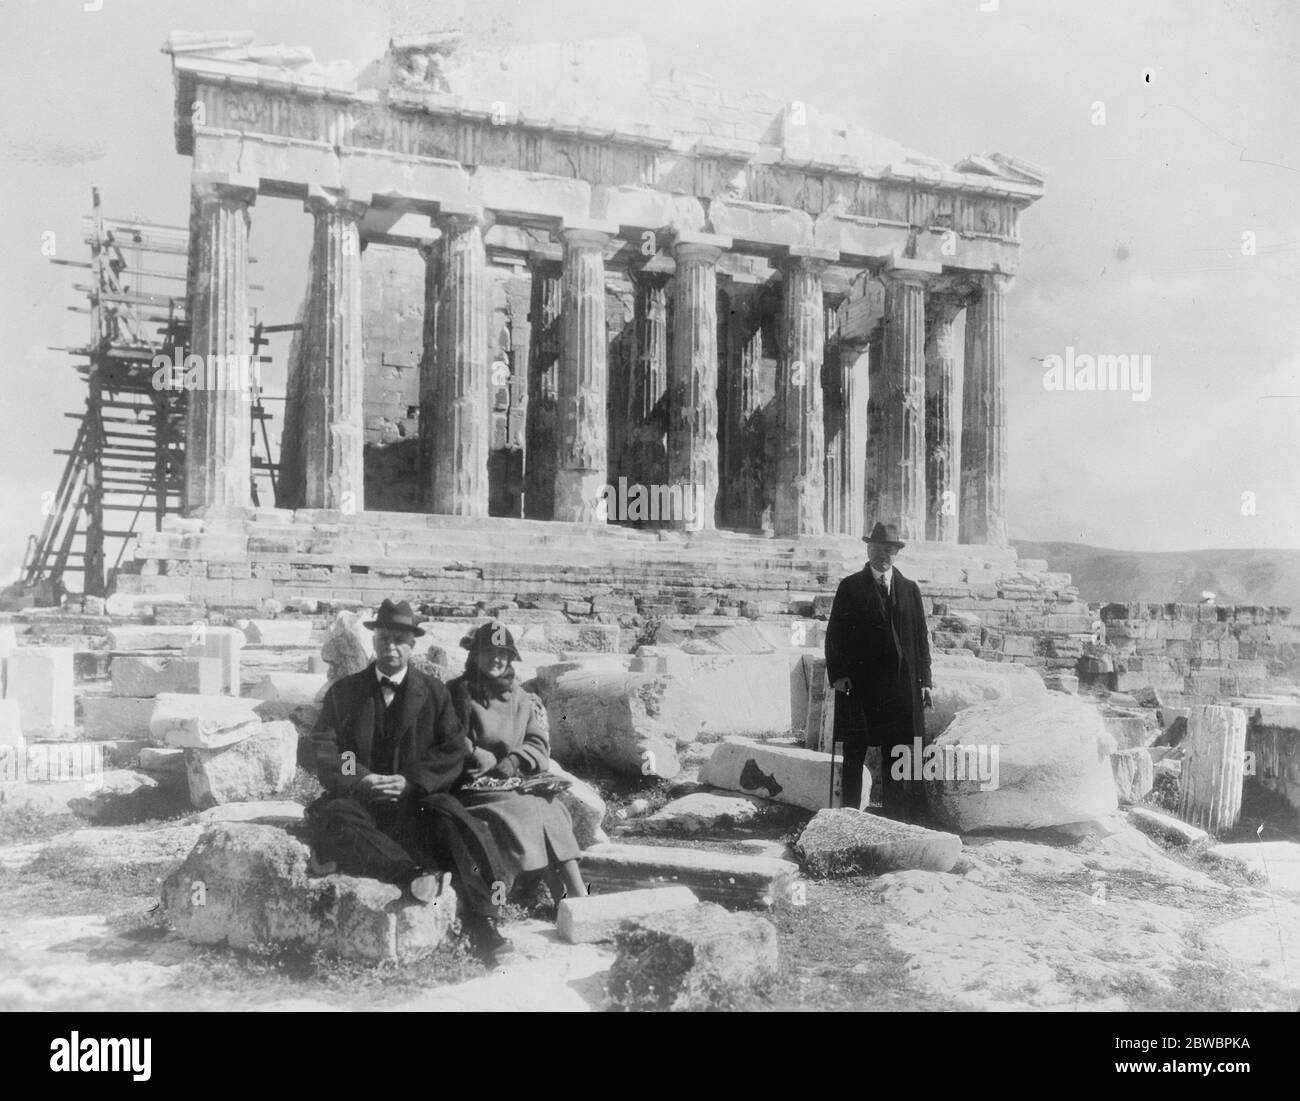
point(1110, 920)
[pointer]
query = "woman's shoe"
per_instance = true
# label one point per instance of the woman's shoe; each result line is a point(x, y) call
point(491, 946)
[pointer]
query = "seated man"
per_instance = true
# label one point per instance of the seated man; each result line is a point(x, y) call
point(387, 748)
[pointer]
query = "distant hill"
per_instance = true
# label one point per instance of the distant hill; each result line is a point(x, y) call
point(1234, 576)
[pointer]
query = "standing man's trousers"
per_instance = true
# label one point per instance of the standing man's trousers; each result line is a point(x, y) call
point(392, 841)
point(887, 725)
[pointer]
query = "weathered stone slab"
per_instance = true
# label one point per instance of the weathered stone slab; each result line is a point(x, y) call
point(40, 680)
point(150, 676)
point(256, 767)
point(799, 777)
point(703, 810)
point(1053, 765)
point(130, 604)
point(224, 644)
point(163, 761)
point(1134, 774)
point(262, 812)
point(246, 885)
point(116, 717)
point(678, 960)
point(597, 917)
point(736, 881)
point(202, 722)
point(844, 841)
point(1166, 827)
point(163, 636)
point(627, 722)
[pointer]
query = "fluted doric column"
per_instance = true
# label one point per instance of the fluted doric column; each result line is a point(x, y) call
point(843, 435)
point(454, 375)
point(853, 441)
point(902, 442)
point(983, 502)
point(647, 459)
point(218, 433)
point(800, 491)
point(940, 445)
point(329, 436)
point(742, 458)
point(582, 382)
point(541, 441)
point(693, 380)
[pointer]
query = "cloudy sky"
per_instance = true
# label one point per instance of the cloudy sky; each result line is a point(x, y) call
point(1136, 248)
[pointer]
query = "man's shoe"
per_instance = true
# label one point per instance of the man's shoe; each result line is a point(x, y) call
point(491, 946)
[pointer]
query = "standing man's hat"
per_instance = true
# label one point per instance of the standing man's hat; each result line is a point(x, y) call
point(395, 617)
point(491, 634)
point(884, 533)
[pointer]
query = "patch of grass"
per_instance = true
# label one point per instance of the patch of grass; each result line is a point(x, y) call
point(27, 824)
point(266, 971)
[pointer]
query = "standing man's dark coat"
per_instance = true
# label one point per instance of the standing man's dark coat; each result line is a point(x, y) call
point(863, 645)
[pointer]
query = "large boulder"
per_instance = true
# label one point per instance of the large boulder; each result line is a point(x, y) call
point(1051, 758)
point(687, 959)
point(629, 723)
point(259, 766)
point(246, 886)
point(843, 841)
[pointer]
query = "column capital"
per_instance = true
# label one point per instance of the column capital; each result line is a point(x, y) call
point(808, 257)
point(347, 204)
point(905, 270)
point(998, 281)
point(542, 257)
point(943, 306)
point(707, 247)
point(586, 232)
point(228, 187)
point(454, 218)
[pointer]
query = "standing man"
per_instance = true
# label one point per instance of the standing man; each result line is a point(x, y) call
point(388, 748)
point(878, 662)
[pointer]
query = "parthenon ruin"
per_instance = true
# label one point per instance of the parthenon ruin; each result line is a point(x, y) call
point(622, 277)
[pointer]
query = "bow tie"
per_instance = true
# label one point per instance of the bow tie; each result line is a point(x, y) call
point(388, 682)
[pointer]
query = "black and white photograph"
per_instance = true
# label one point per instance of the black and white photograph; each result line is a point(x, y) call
point(551, 506)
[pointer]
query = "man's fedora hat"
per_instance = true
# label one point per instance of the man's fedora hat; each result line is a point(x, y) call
point(491, 634)
point(884, 533)
point(395, 617)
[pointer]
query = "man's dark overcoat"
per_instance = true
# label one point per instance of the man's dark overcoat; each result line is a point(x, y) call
point(883, 657)
point(430, 747)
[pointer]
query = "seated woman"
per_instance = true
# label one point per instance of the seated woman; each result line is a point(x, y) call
point(508, 733)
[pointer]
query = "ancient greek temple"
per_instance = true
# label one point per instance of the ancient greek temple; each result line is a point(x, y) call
point(538, 270)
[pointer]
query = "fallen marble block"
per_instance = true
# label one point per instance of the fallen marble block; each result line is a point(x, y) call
point(733, 880)
point(844, 841)
point(203, 722)
point(246, 886)
point(787, 774)
point(259, 766)
point(684, 959)
point(597, 917)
